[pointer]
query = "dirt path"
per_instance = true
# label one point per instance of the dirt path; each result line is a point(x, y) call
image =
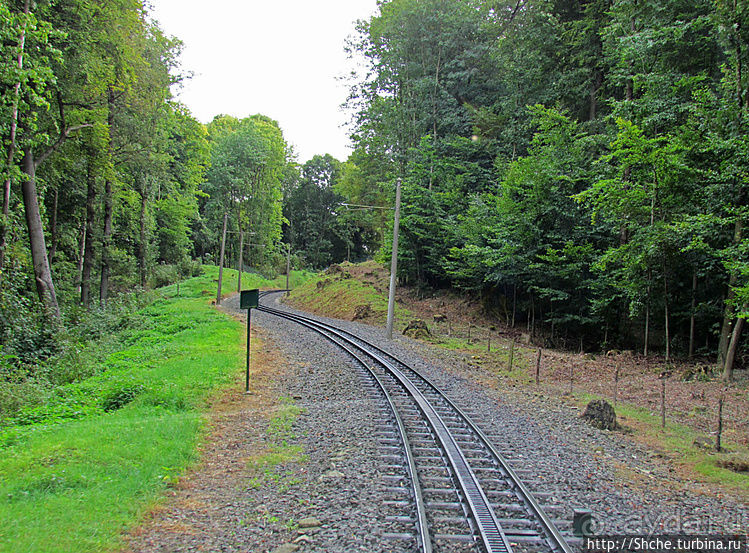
point(205, 507)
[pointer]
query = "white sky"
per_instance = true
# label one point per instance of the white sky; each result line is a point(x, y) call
point(280, 58)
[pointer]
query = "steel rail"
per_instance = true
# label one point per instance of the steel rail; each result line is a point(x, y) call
point(553, 536)
point(490, 530)
point(422, 525)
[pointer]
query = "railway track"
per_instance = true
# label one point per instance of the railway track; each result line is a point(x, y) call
point(453, 490)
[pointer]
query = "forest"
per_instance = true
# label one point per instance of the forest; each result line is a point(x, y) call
point(581, 166)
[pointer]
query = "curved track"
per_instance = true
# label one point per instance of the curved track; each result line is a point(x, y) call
point(460, 461)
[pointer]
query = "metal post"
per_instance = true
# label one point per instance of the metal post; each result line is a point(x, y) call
point(581, 522)
point(249, 329)
point(394, 260)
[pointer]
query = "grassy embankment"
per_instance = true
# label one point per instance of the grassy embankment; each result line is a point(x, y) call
point(339, 297)
point(85, 465)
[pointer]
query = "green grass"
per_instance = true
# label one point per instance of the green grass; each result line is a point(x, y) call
point(332, 296)
point(497, 360)
point(84, 466)
point(676, 441)
point(271, 466)
point(207, 286)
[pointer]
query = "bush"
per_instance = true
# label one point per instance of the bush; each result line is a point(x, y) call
point(164, 275)
point(120, 396)
point(19, 393)
point(72, 365)
point(25, 331)
point(55, 412)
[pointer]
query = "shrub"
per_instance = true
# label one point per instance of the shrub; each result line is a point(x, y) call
point(164, 275)
point(120, 396)
point(17, 393)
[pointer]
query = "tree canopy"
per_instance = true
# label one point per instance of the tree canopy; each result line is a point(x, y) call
point(579, 164)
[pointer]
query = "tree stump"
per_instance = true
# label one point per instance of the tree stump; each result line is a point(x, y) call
point(600, 414)
point(417, 329)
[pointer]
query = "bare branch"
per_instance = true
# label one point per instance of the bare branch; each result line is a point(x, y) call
point(63, 136)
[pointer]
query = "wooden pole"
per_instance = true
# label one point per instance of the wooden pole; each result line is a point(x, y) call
point(538, 367)
point(663, 402)
point(241, 247)
point(288, 266)
point(616, 383)
point(394, 263)
point(239, 274)
point(720, 424)
point(249, 337)
point(512, 354)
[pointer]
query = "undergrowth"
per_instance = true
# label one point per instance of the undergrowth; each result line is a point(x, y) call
point(114, 420)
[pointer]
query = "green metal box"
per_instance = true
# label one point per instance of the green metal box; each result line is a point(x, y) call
point(249, 298)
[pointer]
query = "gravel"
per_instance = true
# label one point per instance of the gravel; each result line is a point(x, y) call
point(332, 499)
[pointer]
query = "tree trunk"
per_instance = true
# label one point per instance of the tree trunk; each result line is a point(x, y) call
point(143, 247)
point(12, 144)
point(241, 249)
point(729, 310)
point(221, 261)
point(629, 92)
point(81, 253)
point(692, 315)
point(108, 206)
point(647, 320)
point(42, 272)
point(665, 312)
point(88, 255)
point(595, 86)
point(105, 244)
point(53, 227)
point(733, 348)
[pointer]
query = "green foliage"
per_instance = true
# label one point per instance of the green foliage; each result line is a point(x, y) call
point(321, 229)
point(26, 333)
point(620, 195)
point(87, 458)
point(119, 396)
point(244, 182)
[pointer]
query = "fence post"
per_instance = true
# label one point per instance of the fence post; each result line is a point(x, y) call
point(616, 382)
point(512, 353)
point(663, 402)
point(720, 424)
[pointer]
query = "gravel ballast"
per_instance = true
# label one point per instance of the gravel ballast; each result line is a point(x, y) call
point(330, 497)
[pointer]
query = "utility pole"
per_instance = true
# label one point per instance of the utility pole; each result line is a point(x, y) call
point(241, 249)
point(221, 261)
point(394, 260)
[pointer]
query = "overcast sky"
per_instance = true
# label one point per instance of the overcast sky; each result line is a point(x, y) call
point(280, 58)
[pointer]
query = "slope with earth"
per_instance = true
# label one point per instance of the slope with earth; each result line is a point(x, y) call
point(630, 381)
